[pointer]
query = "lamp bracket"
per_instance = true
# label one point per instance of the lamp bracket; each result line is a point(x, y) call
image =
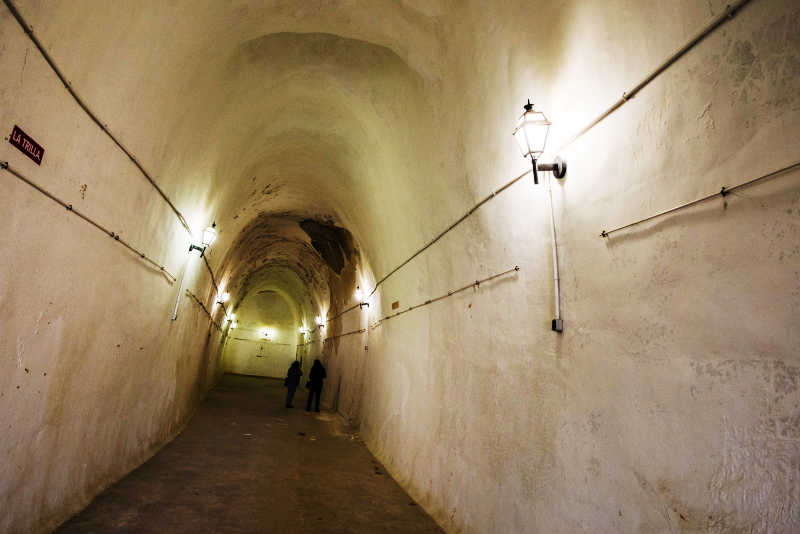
point(362, 304)
point(195, 247)
point(558, 167)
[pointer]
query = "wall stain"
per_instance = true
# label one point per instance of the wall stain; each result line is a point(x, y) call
point(332, 242)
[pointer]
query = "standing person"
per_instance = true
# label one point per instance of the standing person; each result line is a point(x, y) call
point(315, 377)
point(292, 381)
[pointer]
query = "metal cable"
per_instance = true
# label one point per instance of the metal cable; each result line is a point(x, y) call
point(213, 281)
point(722, 17)
point(28, 29)
point(438, 237)
point(725, 191)
point(262, 341)
point(347, 334)
point(345, 311)
point(714, 23)
point(5, 166)
point(205, 310)
point(475, 284)
point(705, 30)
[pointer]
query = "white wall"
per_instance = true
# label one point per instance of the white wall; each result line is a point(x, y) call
point(247, 351)
point(94, 375)
point(669, 402)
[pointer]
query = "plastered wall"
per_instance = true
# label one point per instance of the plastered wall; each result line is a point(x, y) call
point(669, 402)
point(94, 375)
point(249, 350)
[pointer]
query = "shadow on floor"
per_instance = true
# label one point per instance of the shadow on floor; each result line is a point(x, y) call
point(245, 463)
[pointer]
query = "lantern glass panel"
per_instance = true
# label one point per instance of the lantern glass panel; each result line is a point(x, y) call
point(209, 235)
point(531, 133)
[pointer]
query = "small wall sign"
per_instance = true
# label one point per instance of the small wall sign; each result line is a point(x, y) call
point(26, 145)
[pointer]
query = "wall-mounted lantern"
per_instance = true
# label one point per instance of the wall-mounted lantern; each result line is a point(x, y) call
point(302, 331)
point(233, 325)
point(209, 235)
point(319, 321)
point(360, 298)
point(531, 135)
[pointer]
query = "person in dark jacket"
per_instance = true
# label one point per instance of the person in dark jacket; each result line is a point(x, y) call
point(292, 381)
point(315, 377)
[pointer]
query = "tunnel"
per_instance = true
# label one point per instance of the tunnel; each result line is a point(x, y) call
point(194, 190)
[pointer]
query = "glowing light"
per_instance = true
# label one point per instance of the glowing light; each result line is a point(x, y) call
point(531, 132)
point(224, 297)
point(209, 235)
point(233, 325)
point(360, 298)
point(531, 135)
point(318, 319)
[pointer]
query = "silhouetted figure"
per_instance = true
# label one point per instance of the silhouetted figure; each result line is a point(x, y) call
point(292, 381)
point(315, 377)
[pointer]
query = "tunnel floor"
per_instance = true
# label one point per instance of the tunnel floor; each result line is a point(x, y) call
point(245, 463)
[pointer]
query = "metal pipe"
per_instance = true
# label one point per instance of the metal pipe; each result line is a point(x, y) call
point(705, 30)
point(459, 221)
point(475, 284)
point(213, 280)
point(203, 307)
point(6, 167)
point(28, 29)
point(725, 191)
point(342, 335)
point(556, 325)
point(180, 286)
point(729, 11)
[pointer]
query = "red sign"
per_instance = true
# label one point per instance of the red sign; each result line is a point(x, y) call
point(26, 145)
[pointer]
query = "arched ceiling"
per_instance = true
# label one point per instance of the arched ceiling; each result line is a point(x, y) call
point(263, 114)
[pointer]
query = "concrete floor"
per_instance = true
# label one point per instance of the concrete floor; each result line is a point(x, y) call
point(245, 463)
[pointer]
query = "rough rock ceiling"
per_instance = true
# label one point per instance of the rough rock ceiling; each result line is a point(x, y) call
point(260, 115)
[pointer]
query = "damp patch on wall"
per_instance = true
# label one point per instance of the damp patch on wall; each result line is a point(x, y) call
point(332, 242)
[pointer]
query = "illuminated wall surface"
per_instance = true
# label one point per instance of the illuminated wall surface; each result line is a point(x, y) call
point(330, 141)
